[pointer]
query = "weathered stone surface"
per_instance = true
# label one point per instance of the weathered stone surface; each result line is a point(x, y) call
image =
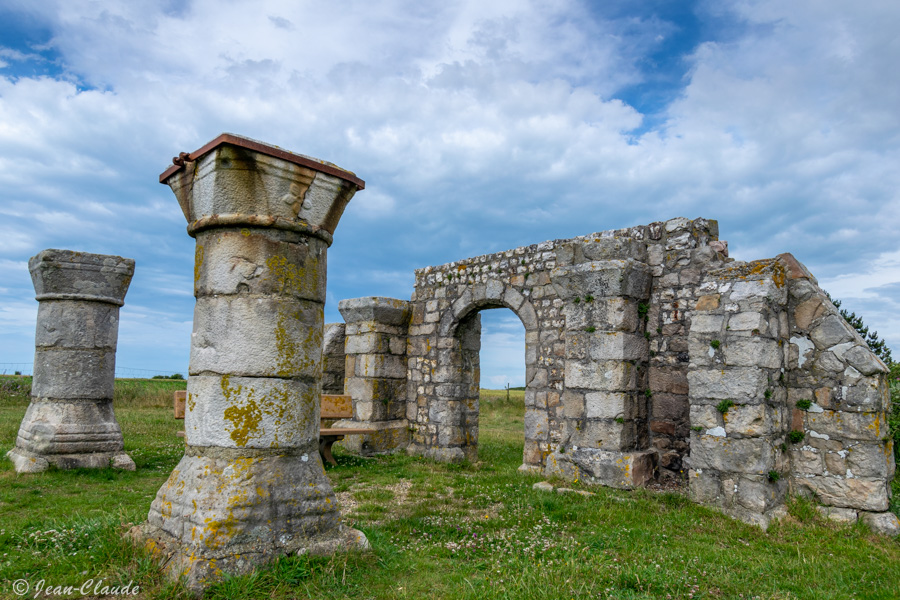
point(884, 523)
point(62, 373)
point(603, 278)
point(753, 352)
point(757, 334)
point(710, 302)
point(609, 375)
point(614, 469)
point(848, 425)
point(807, 312)
point(260, 261)
point(707, 323)
point(863, 360)
point(70, 275)
point(669, 380)
point(744, 384)
point(70, 422)
point(250, 412)
point(389, 311)
point(839, 515)
point(750, 420)
point(831, 331)
point(753, 455)
point(256, 336)
point(251, 485)
point(862, 494)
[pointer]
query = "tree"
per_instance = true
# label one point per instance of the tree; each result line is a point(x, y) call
point(876, 344)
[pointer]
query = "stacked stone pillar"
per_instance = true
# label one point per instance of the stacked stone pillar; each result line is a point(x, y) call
point(376, 372)
point(605, 436)
point(251, 485)
point(70, 422)
point(737, 381)
point(333, 359)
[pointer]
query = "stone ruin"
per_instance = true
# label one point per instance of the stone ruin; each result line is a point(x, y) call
point(70, 421)
point(649, 354)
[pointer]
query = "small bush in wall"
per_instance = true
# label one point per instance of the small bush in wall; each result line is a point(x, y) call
point(804, 404)
point(774, 476)
point(724, 405)
point(795, 437)
point(715, 344)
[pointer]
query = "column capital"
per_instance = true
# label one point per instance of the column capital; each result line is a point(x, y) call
point(70, 275)
point(234, 181)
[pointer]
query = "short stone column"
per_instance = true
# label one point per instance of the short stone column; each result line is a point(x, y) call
point(70, 422)
point(251, 485)
point(605, 438)
point(376, 372)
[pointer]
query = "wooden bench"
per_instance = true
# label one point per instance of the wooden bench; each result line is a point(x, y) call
point(180, 399)
point(333, 407)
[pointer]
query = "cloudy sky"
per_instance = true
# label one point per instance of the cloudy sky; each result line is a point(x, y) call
point(478, 127)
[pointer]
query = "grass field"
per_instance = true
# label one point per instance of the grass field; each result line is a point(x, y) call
point(437, 530)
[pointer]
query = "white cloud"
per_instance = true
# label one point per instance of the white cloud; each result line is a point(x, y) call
point(478, 127)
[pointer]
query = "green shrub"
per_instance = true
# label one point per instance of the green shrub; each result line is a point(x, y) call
point(724, 405)
point(804, 404)
point(795, 437)
point(715, 344)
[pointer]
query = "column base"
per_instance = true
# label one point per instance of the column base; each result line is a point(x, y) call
point(623, 470)
point(28, 462)
point(387, 436)
point(179, 561)
point(225, 511)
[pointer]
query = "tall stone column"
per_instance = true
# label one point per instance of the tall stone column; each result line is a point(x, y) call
point(251, 485)
point(70, 422)
point(375, 372)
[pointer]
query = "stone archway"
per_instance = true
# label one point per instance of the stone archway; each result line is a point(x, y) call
point(454, 405)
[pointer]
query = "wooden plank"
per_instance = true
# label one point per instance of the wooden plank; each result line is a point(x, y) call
point(343, 432)
point(336, 407)
point(180, 398)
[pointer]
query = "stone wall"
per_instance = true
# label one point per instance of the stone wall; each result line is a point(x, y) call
point(333, 359)
point(650, 354)
point(785, 397)
point(737, 345)
point(376, 372)
point(838, 398)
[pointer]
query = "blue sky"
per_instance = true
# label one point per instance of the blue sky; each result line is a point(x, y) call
point(477, 126)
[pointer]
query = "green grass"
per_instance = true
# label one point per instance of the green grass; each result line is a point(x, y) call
point(437, 531)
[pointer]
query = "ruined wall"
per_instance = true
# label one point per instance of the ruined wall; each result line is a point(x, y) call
point(649, 353)
point(838, 398)
point(737, 346)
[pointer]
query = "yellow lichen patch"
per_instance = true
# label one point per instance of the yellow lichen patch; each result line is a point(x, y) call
point(285, 347)
point(245, 232)
point(287, 275)
point(461, 268)
point(198, 262)
point(191, 402)
point(245, 419)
